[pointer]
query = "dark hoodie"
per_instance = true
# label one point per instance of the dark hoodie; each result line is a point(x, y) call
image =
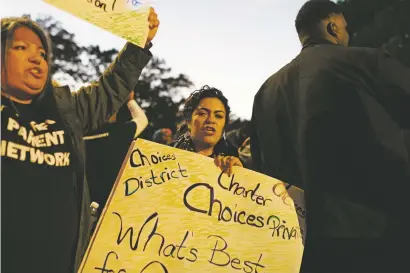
point(45, 198)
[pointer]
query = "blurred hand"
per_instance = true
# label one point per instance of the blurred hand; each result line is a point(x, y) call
point(226, 163)
point(130, 96)
point(153, 25)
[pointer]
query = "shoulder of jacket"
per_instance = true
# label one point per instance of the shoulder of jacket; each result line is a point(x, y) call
point(62, 92)
point(363, 50)
point(64, 98)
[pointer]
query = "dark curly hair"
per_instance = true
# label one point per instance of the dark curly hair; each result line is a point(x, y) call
point(195, 98)
point(311, 13)
point(183, 141)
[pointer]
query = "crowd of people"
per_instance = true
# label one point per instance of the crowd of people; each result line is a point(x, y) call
point(334, 122)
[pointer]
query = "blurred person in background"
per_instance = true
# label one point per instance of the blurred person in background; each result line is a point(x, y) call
point(240, 140)
point(107, 148)
point(162, 136)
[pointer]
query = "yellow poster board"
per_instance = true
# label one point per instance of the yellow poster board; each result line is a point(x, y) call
point(125, 18)
point(172, 210)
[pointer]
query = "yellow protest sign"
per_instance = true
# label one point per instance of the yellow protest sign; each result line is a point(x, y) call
point(125, 18)
point(174, 211)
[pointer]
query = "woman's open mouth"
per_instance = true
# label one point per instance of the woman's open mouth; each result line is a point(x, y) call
point(209, 130)
point(36, 72)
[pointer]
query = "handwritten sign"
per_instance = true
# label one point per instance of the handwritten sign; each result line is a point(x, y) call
point(171, 210)
point(125, 18)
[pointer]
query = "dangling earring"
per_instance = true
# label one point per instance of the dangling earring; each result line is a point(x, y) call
point(224, 138)
point(188, 133)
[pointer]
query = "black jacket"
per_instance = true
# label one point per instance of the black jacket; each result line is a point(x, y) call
point(331, 122)
point(105, 157)
point(87, 110)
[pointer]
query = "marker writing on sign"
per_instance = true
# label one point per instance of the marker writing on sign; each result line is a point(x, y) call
point(164, 248)
point(106, 269)
point(226, 213)
point(139, 159)
point(151, 264)
point(220, 257)
point(237, 189)
point(101, 5)
point(135, 184)
point(281, 191)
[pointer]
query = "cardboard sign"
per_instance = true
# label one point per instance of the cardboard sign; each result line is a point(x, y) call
point(172, 210)
point(125, 18)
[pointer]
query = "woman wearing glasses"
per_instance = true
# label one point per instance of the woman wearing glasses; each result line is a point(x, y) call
point(206, 114)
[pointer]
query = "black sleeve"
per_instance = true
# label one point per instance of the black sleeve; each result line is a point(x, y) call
point(105, 157)
point(97, 102)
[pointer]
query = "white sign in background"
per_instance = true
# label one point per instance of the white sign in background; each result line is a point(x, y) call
point(125, 18)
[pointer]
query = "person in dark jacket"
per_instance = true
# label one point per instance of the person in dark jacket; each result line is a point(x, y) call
point(162, 136)
point(236, 137)
point(107, 148)
point(331, 122)
point(206, 112)
point(240, 140)
point(45, 197)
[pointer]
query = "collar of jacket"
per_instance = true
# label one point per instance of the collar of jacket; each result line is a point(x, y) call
point(314, 42)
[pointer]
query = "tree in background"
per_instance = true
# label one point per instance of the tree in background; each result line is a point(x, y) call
point(158, 91)
point(236, 123)
point(380, 24)
point(160, 95)
point(72, 62)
